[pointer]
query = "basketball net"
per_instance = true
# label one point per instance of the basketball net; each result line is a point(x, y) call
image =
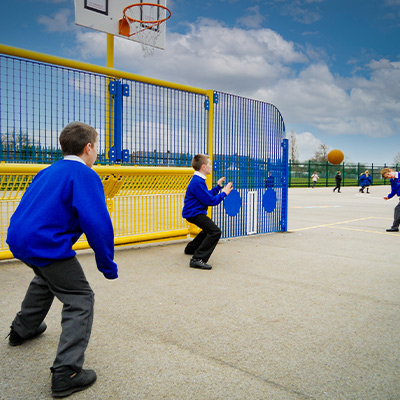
point(144, 20)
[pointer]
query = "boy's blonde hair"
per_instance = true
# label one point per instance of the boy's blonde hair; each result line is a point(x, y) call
point(385, 171)
point(199, 160)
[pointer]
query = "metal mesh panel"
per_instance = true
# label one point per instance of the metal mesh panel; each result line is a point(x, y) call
point(144, 204)
point(300, 173)
point(37, 100)
point(163, 126)
point(248, 151)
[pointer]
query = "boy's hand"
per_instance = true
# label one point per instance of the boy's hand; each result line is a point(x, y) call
point(386, 198)
point(228, 188)
point(221, 181)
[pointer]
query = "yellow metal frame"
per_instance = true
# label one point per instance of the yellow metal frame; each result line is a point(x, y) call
point(145, 203)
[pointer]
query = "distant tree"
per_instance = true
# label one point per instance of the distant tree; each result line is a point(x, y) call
point(321, 154)
point(294, 154)
point(14, 140)
point(396, 159)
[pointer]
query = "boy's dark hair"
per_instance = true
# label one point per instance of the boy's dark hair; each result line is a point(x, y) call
point(199, 160)
point(75, 136)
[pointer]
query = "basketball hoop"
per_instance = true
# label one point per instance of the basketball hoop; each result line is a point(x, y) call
point(144, 20)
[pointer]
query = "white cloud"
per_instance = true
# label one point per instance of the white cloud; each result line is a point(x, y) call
point(260, 64)
point(335, 105)
point(91, 44)
point(211, 55)
point(301, 11)
point(306, 144)
point(252, 18)
point(392, 2)
point(59, 22)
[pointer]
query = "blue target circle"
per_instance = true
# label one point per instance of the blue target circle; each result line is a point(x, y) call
point(233, 203)
point(269, 200)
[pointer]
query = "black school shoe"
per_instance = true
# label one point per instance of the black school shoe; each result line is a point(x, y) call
point(66, 381)
point(392, 230)
point(16, 340)
point(200, 264)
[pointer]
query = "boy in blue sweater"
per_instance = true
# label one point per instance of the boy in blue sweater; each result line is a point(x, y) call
point(197, 199)
point(394, 177)
point(63, 201)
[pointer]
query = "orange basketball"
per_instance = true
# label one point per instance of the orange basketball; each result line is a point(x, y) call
point(335, 156)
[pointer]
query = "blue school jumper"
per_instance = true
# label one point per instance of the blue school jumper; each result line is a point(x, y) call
point(198, 198)
point(64, 200)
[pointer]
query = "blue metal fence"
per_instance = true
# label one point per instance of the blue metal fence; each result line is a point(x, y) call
point(250, 150)
point(163, 126)
point(37, 100)
point(160, 126)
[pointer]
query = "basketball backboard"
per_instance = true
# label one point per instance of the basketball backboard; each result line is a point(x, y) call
point(104, 16)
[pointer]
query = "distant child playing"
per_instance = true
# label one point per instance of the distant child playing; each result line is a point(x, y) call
point(394, 177)
point(365, 181)
point(63, 201)
point(197, 199)
point(338, 179)
point(314, 178)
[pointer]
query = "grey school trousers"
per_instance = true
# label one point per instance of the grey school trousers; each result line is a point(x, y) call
point(396, 220)
point(65, 280)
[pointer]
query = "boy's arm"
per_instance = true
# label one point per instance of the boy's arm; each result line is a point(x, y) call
point(95, 221)
point(215, 190)
point(208, 197)
point(393, 188)
point(220, 185)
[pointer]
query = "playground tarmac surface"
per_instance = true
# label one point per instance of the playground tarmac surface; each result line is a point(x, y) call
point(312, 313)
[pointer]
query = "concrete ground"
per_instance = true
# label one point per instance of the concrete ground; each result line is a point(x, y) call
point(313, 313)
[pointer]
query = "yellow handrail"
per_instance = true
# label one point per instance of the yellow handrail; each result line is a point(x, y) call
point(65, 62)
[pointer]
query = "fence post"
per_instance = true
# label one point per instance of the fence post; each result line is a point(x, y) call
point(343, 178)
point(384, 179)
point(372, 173)
point(290, 173)
point(118, 90)
point(209, 106)
point(309, 172)
point(327, 173)
point(285, 181)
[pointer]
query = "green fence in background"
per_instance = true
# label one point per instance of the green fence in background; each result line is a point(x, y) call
point(300, 173)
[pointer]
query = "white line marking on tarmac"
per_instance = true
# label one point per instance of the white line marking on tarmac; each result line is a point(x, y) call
point(335, 226)
point(315, 206)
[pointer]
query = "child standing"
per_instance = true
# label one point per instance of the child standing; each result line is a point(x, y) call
point(338, 179)
point(365, 181)
point(64, 200)
point(388, 173)
point(197, 199)
point(314, 178)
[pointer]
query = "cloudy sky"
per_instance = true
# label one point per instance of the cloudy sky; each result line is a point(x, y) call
point(332, 67)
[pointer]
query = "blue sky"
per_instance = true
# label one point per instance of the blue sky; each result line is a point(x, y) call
point(332, 67)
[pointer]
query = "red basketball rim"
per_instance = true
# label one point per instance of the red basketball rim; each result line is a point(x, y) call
point(156, 22)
